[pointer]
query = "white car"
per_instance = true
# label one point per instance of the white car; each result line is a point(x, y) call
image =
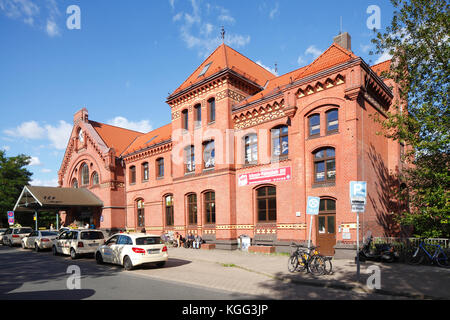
point(132, 249)
point(78, 242)
point(13, 236)
point(41, 239)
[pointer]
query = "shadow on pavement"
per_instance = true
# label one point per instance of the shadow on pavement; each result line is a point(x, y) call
point(49, 295)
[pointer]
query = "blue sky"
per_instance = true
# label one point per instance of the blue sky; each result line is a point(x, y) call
point(129, 55)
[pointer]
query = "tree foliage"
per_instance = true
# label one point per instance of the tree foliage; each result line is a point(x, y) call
point(13, 177)
point(418, 40)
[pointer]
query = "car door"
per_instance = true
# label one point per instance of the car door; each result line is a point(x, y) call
point(120, 248)
point(108, 249)
point(29, 241)
point(60, 240)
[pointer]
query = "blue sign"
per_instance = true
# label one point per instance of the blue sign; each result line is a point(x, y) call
point(313, 204)
point(10, 214)
point(358, 190)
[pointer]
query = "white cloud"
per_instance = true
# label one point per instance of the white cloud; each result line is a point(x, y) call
point(44, 183)
point(59, 135)
point(45, 170)
point(34, 161)
point(172, 3)
point(311, 53)
point(6, 148)
point(28, 130)
point(52, 28)
point(141, 126)
point(24, 10)
point(272, 70)
point(178, 16)
point(384, 57)
point(274, 11)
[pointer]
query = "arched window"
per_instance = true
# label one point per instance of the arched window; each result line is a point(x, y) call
point(197, 115)
point(212, 110)
point(168, 208)
point(266, 200)
point(74, 183)
point(84, 174)
point(192, 208)
point(325, 165)
point(280, 142)
point(185, 119)
point(132, 171)
point(332, 120)
point(314, 125)
point(210, 207)
point(140, 213)
point(160, 167)
point(95, 178)
point(209, 155)
point(251, 148)
point(145, 173)
point(189, 159)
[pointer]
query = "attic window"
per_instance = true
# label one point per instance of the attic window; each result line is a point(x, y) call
point(205, 68)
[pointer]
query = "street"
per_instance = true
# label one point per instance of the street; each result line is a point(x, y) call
point(25, 274)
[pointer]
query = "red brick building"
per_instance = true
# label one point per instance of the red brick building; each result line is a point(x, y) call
point(243, 151)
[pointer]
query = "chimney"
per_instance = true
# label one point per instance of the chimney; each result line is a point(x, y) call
point(344, 40)
point(81, 115)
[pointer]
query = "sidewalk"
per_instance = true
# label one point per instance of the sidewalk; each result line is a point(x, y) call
point(397, 279)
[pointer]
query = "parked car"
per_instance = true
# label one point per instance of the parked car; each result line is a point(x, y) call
point(41, 239)
point(78, 242)
point(13, 236)
point(2, 232)
point(132, 249)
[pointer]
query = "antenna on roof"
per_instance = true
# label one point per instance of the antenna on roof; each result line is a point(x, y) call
point(222, 34)
point(276, 67)
point(340, 30)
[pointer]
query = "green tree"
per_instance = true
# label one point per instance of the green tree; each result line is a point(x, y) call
point(418, 40)
point(13, 177)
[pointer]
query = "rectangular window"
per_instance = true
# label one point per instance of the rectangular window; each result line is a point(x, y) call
point(185, 119)
point(132, 174)
point(212, 110)
point(192, 208)
point(160, 167)
point(314, 125)
point(189, 159)
point(210, 207)
point(198, 116)
point(145, 171)
point(332, 121)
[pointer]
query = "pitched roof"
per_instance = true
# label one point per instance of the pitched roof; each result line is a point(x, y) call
point(382, 67)
point(115, 137)
point(333, 56)
point(149, 139)
point(223, 58)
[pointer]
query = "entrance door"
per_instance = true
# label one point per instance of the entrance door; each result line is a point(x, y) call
point(326, 227)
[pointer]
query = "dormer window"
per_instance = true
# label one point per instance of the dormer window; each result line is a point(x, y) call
point(205, 68)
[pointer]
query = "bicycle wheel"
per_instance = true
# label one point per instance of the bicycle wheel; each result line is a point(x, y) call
point(442, 260)
point(316, 265)
point(415, 256)
point(328, 266)
point(293, 263)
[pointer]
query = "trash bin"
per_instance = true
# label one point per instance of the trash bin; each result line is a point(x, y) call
point(244, 242)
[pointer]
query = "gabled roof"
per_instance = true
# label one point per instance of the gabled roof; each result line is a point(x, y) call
point(115, 137)
point(149, 139)
point(223, 58)
point(333, 56)
point(382, 67)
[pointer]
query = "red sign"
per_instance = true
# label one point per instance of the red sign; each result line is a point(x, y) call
point(265, 176)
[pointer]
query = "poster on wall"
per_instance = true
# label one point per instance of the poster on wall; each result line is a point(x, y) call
point(265, 176)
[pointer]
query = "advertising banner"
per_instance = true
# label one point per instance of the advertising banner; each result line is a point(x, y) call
point(265, 176)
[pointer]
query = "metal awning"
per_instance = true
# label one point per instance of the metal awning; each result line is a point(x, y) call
point(52, 198)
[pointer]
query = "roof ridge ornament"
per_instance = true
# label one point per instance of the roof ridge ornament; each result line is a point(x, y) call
point(222, 34)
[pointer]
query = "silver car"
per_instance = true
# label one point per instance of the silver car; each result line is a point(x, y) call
point(38, 240)
point(13, 236)
point(2, 232)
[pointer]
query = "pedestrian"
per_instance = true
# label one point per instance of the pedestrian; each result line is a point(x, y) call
point(197, 241)
point(190, 240)
point(178, 238)
point(51, 227)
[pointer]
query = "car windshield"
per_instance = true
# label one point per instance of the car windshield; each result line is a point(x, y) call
point(49, 233)
point(23, 230)
point(92, 235)
point(148, 240)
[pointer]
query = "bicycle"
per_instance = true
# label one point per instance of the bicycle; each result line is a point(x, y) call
point(310, 260)
point(418, 254)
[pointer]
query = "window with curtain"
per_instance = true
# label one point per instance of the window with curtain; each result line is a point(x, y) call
point(189, 159)
point(208, 155)
point(325, 165)
point(332, 120)
point(95, 179)
point(145, 172)
point(266, 198)
point(314, 125)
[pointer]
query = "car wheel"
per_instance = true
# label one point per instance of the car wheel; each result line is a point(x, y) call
point(161, 264)
point(55, 252)
point(73, 254)
point(36, 247)
point(10, 243)
point(99, 258)
point(127, 264)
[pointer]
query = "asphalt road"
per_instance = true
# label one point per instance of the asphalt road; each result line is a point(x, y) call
point(25, 274)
